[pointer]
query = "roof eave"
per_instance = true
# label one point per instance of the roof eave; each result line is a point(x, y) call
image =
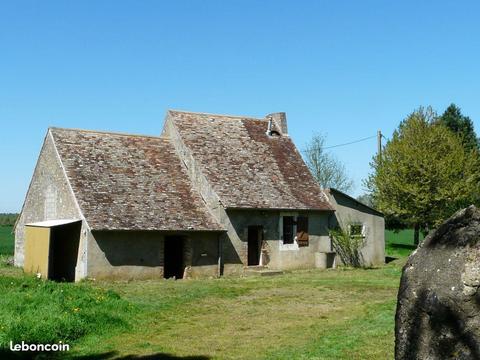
point(159, 230)
point(279, 209)
point(357, 201)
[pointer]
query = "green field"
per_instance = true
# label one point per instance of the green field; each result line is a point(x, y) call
point(6, 240)
point(333, 314)
point(399, 244)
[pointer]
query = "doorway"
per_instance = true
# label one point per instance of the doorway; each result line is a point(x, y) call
point(255, 237)
point(51, 249)
point(64, 243)
point(173, 265)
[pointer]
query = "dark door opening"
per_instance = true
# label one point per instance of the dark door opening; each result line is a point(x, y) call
point(173, 265)
point(64, 243)
point(255, 234)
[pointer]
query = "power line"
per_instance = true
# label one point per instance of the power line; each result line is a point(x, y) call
point(351, 142)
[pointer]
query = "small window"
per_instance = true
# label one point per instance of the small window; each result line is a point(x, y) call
point(357, 230)
point(302, 231)
point(288, 223)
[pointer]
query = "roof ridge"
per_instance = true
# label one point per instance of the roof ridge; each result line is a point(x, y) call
point(213, 114)
point(161, 137)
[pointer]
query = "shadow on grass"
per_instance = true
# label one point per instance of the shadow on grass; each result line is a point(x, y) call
point(403, 246)
point(389, 259)
point(157, 356)
point(9, 355)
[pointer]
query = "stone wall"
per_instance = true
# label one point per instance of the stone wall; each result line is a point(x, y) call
point(140, 254)
point(350, 211)
point(49, 197)
point(304, 257)
point(279, 256)
point(204, 255)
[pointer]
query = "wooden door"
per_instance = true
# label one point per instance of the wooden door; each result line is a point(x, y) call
point(37, 251)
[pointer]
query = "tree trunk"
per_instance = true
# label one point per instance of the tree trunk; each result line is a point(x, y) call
point(416, 234)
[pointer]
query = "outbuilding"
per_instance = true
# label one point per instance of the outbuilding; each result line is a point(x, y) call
point(360, 220)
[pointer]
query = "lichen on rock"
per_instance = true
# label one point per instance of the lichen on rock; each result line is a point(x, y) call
point(438, 308)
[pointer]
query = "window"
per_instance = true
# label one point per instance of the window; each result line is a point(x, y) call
point(288, 223)
point(302, 231)
point(357, 230)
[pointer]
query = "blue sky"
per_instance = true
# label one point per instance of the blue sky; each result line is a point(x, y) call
point(343, 68)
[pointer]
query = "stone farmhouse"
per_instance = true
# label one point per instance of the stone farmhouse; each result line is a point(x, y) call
point(212, 195)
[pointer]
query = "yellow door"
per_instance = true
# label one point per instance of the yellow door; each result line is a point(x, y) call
point(37, 250)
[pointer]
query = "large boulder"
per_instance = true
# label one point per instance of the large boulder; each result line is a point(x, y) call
point(438, 308)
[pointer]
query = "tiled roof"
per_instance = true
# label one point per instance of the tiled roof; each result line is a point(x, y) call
point(129, 182)
point(246, 167)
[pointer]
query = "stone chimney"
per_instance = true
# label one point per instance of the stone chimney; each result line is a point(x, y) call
point(279, 121)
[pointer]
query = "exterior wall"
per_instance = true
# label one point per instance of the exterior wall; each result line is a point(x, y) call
point(277, 255)
point(349, 211)
point(49, 197)
point(140, 254)
point(204, 255)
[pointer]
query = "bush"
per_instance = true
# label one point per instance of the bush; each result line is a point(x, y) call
point(347, 246)
point(37, 311)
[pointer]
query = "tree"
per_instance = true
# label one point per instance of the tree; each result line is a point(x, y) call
point(7, 219)
point(462, 125)
point(391, 222)
point(366, 199)
point(325, 168)
point(424, 174)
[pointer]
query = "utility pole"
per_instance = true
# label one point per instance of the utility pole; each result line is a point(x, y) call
point(379, 143)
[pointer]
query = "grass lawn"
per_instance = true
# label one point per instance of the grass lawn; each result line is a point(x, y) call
point(333, 314)
point(399, 244)
point(6, 240)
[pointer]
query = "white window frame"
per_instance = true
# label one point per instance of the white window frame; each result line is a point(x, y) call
point(294, 245)
point(363, 233)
